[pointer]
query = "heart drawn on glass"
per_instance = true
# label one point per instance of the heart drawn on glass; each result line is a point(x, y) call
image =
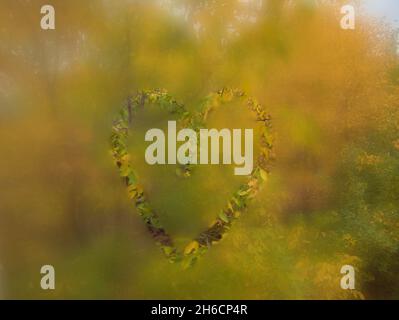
point(239, 199)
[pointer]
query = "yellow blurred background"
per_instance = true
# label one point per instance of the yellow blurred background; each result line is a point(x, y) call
point(332, 198)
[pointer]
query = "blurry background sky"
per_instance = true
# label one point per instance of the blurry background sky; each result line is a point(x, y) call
point(388, 9)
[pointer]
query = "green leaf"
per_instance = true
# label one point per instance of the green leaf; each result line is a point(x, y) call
point(223, 216)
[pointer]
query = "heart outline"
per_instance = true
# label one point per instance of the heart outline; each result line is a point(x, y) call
point(235, 205)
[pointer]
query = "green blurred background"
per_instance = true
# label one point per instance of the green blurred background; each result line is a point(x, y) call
point(333, 195)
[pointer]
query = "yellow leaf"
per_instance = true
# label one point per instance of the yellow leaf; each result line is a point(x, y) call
point(191, 247)
point(263, 174)
point(125, 158)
